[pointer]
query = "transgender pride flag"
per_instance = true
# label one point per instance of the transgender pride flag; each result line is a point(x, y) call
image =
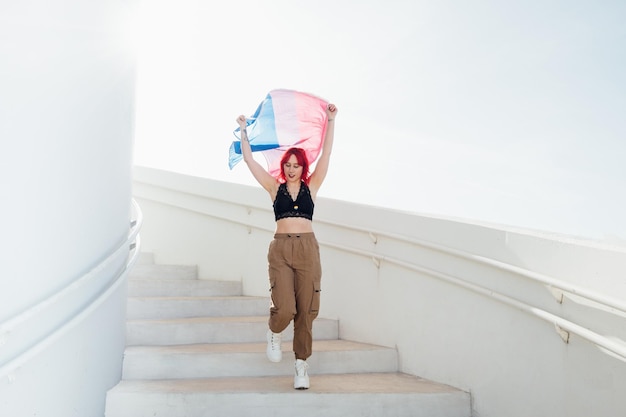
point(285, 119)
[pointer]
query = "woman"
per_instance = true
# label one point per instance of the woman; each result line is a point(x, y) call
point(294, 262)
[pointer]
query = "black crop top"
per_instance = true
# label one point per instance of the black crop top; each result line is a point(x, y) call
point(285, 206)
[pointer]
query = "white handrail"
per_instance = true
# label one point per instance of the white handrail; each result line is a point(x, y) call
point(535, 276)
point(132, 243)
point(618, 349)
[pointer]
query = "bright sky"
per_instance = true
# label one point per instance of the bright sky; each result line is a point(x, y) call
point(508, 112)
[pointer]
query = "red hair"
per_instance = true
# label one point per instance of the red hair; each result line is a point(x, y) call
point(302, 161)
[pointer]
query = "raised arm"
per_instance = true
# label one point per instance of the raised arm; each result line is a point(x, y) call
point(260, 174)
point(317, 177)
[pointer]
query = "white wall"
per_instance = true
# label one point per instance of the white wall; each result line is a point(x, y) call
point(514, 363)
point(66, 128)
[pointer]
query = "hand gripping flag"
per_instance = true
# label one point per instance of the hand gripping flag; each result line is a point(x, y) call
point(285, 119)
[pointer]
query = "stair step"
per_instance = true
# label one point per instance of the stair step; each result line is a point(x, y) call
point(181, 307)
point(196, 348)
point(248, 359)
point(197, 330)
point(375, 395)
point(138, 287)
point(156, 271)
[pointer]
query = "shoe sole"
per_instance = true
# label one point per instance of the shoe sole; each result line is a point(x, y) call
point(301, 385)
point(274, 360)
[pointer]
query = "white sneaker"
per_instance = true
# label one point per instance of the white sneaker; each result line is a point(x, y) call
point(301, 380)
point(274, 352)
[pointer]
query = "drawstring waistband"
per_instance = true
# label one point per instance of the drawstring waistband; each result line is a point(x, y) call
point(308, 235)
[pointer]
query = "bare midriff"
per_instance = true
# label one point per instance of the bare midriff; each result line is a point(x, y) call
point(294, 225)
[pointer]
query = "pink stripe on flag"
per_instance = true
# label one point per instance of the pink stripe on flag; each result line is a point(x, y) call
point(286, 119)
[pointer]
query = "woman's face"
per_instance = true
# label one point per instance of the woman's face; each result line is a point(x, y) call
point(292, 169)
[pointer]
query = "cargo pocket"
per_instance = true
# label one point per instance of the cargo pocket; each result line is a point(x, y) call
point(315, 302)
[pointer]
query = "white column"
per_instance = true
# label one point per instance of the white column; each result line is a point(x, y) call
point(66, 132)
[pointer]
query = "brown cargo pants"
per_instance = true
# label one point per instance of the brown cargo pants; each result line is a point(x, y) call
point(295, 274)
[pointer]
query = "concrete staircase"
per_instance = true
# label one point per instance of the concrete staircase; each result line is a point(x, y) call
point(196, 348)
